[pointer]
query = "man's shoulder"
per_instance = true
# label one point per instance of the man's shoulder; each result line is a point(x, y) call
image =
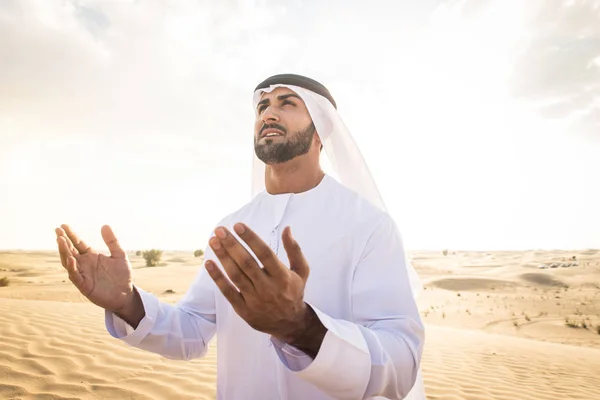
point(352, 204)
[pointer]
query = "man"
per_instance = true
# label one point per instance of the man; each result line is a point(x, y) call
point(307, 286)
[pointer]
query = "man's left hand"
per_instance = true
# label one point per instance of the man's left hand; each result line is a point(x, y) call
point(269, 299)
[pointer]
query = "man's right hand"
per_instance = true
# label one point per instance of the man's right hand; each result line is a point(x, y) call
point(105, 281)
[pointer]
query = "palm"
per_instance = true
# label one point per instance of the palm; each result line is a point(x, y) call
point(104, 280)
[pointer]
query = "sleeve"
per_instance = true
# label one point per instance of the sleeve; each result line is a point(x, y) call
point(379, 352)
point(181, 331)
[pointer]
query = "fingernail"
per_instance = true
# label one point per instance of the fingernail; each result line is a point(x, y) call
point(215, 243)
point(239, 228)
point(221, 233)
point(209, 266)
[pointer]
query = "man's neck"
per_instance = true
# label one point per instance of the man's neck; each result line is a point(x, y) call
point(292, 177)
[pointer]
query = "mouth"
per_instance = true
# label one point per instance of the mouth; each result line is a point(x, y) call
point(271, 133)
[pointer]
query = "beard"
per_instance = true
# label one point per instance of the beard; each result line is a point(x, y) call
point(276, 151)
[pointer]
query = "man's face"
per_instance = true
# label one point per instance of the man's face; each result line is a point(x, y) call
point(283, 128)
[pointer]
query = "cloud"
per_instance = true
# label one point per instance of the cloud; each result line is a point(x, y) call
point(110, 69)
point(559, 62)
point(554, 51)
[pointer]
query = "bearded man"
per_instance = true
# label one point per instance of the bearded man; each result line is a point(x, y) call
point(307, 286)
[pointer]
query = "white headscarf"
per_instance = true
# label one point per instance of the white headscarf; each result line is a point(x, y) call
point(345, 158)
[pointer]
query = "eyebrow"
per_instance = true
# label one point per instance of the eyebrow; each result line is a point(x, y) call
point(280, 98)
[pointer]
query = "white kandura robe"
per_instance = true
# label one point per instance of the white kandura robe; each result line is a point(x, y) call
point(358, 285)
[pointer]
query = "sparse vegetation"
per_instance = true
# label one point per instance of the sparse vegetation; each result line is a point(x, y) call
point(138, 253)
point(572, 323)
point(598, 329)
point(4, 281)
point(198, 253)
point(152, 257)
point(445, 252)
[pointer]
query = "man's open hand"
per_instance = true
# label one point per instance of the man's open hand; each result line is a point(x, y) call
point(270, 299)
point(104, 280)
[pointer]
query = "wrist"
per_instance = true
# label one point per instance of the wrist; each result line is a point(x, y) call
point(298, 327)
point(132, 310)
point(308, 333)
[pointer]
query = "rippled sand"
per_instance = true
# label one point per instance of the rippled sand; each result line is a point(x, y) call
point(498, 327)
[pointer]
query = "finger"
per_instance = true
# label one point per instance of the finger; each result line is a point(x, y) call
point(63, 250)
point(111, 241)
point(263, 252)
point(74, 274)
point(234, 272)
point(242, 258)
point(298, 263)
point(79, 244)
point(61, 232)
point(229, 291)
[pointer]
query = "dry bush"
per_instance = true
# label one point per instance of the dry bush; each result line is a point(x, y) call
point(4, 281)
point(152, 257)
point(572, 323)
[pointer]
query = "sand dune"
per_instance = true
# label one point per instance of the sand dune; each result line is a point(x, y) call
point(471, 284)
point(461, 364)
point(60, 350)
point(497, 328)
point(541, 279)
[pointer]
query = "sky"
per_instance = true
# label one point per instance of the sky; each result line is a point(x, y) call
point(479, 119)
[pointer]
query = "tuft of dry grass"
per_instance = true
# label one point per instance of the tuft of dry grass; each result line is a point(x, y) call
point(4, 281)
point(572, 323)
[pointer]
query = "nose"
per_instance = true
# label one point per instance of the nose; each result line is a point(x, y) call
point(269, 115)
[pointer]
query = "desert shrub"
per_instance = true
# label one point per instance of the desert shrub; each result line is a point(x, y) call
point(4, 281)
point(572, 323)
point(198, 253)
point(138, 253)
point(445, 252)
point(152, 257)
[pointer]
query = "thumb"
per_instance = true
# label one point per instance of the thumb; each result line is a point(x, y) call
point(298, 263)
point(111, 241)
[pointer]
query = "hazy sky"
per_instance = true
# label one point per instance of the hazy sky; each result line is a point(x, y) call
point(479, 119)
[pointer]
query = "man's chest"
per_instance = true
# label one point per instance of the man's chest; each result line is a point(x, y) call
point(331, 253)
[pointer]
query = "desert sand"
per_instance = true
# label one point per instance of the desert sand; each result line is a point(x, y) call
point(498, 327)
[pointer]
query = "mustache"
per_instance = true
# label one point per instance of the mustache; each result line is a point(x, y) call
point(272, 126)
